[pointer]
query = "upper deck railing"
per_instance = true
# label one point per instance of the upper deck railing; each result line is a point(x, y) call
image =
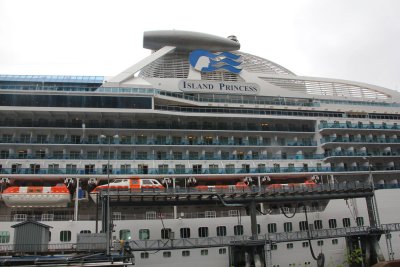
point(115, 172)
point(337, 125)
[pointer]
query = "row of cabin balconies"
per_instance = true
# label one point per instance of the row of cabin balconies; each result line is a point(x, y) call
point(187, 140)
point(127, 155)
point(359, 139)
point(163, 124)
point(353, 153)
point(182, 169)
point(358, 125)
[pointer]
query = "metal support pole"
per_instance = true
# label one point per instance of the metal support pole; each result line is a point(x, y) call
point(370, 209)
point(259, 190)
point(253, 220)
point(175, 207)
point(76, 200)
point(108, 199)
point(374, 202)
point(97, 212)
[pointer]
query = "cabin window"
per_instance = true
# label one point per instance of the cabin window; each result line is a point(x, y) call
point(125, 234)
point(4, 237)
point(4, 154)
point(74, 154)
point(178, 155)
point(144, 255)
point(144, 234)
point(274, 246)
point(65, 236)
point(166, 233)
point(126, 155)
point(221, 230)
point(332, 223)
point(58, 154)
point(303, 226)
point(160, 155)
point(318, 224)
point(7, 138)
point(54, 168)
point(185, 253)
point(193, 155)
point(161, 140)
point(305, 244)
point(230, 168)
point(125, 168)
point(107, 168)
point(335, 241)
point(238, 230)
point(222, 251)
point(85, 232)
point(185, 232)
point(224, 155)
point(360, 221)
point(346, 222)
point(176, 140)
point(320, 243)
point(204, 252)
point(203, 231)
point(287, 227)
point(92, 155)
point(180, 168)
point(272, 228)
point(197, 168)
point(141, 140)
point(75, 139)
point(163, 168)
point(167, 254)
point(141, 155)
point(209, 155)
point(289, 245)
point(213, 168)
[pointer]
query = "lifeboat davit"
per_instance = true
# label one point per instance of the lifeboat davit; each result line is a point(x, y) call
point(132, 184)
point(306, 184)
point(36, 196)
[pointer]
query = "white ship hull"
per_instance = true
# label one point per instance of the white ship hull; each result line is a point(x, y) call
point(298, 255)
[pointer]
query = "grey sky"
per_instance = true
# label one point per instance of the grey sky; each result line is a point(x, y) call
point(356, 40)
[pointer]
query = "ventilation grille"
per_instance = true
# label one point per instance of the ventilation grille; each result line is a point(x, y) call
point(326, 88)
point(221, 76)
point(253, 63)
point(174, 65)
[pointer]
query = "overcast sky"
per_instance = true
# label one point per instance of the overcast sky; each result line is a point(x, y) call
point(355, 40)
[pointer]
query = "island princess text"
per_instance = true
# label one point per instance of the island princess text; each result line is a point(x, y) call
point(194, 86)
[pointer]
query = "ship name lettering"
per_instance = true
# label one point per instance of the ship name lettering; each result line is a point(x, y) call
point(233, 87)
point(190, 85)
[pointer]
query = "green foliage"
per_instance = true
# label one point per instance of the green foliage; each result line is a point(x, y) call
point(354, 257)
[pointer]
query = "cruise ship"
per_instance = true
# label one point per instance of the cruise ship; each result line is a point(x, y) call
point(198, 113)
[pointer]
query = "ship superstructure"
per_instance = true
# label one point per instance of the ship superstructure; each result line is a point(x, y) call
point(197, 112)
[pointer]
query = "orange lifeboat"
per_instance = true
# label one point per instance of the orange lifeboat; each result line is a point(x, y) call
point(212, 188)
point(37, 196)
point(134, 184)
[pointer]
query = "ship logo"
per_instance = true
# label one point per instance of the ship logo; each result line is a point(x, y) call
point(205, 61)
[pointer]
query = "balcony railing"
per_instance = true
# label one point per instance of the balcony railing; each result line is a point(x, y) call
point(358, 126)
point(359, 140)
point(163, 157)
point(189, 171)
